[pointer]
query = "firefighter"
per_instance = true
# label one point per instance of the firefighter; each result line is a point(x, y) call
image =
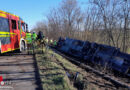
point(51, 42)
point(28, 37)
point(40, 35)
point(29, 41)
point(55, 43)
point(47, 41)
point(34, 36)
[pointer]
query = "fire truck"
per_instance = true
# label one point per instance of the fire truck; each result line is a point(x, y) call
point(12, 32)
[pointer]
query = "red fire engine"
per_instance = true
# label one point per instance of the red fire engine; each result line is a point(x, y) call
point(12, 32)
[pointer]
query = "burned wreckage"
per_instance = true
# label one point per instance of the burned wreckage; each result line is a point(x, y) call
point(99, 54)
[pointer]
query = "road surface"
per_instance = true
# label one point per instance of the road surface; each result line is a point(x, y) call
point(19, 72)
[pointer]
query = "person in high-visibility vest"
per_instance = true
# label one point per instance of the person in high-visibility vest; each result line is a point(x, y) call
point(55, 43)
point(40, 35)
point(51, 42)
point(46, 40)
point(29, 37)
point(34, 36)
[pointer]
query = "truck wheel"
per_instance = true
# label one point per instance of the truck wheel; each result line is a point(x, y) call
point(22, 47)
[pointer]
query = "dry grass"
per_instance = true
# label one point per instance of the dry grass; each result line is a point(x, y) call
point(52, 75)
point(128, 51)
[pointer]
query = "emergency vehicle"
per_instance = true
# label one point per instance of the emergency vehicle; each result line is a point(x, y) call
point(12, 32)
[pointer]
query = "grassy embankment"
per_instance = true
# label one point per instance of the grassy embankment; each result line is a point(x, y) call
point(54, 70)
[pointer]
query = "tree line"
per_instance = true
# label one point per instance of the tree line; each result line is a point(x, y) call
point(103, 21)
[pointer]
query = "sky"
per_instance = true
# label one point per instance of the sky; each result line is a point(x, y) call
point(32, 11)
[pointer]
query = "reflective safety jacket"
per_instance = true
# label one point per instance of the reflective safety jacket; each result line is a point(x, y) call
point(55, 43)
point(47, 41)
point(51, 41)
point(34, 36)
point(29, 38)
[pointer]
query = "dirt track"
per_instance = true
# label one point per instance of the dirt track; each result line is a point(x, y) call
point(20, 71)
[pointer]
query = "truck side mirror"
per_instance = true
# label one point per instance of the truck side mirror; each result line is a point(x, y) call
point(27, 28)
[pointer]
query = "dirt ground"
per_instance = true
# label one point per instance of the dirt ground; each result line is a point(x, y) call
point(19, 73)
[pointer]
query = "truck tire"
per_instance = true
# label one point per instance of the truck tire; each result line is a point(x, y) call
point(22, 47)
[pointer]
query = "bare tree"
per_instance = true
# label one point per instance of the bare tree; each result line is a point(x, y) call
point(54, 23)
point(104, 21)
point(71, 16)
point(126, 18)
point(65, 19)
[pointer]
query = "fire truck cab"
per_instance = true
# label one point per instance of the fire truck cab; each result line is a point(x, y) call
point(12, 32)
